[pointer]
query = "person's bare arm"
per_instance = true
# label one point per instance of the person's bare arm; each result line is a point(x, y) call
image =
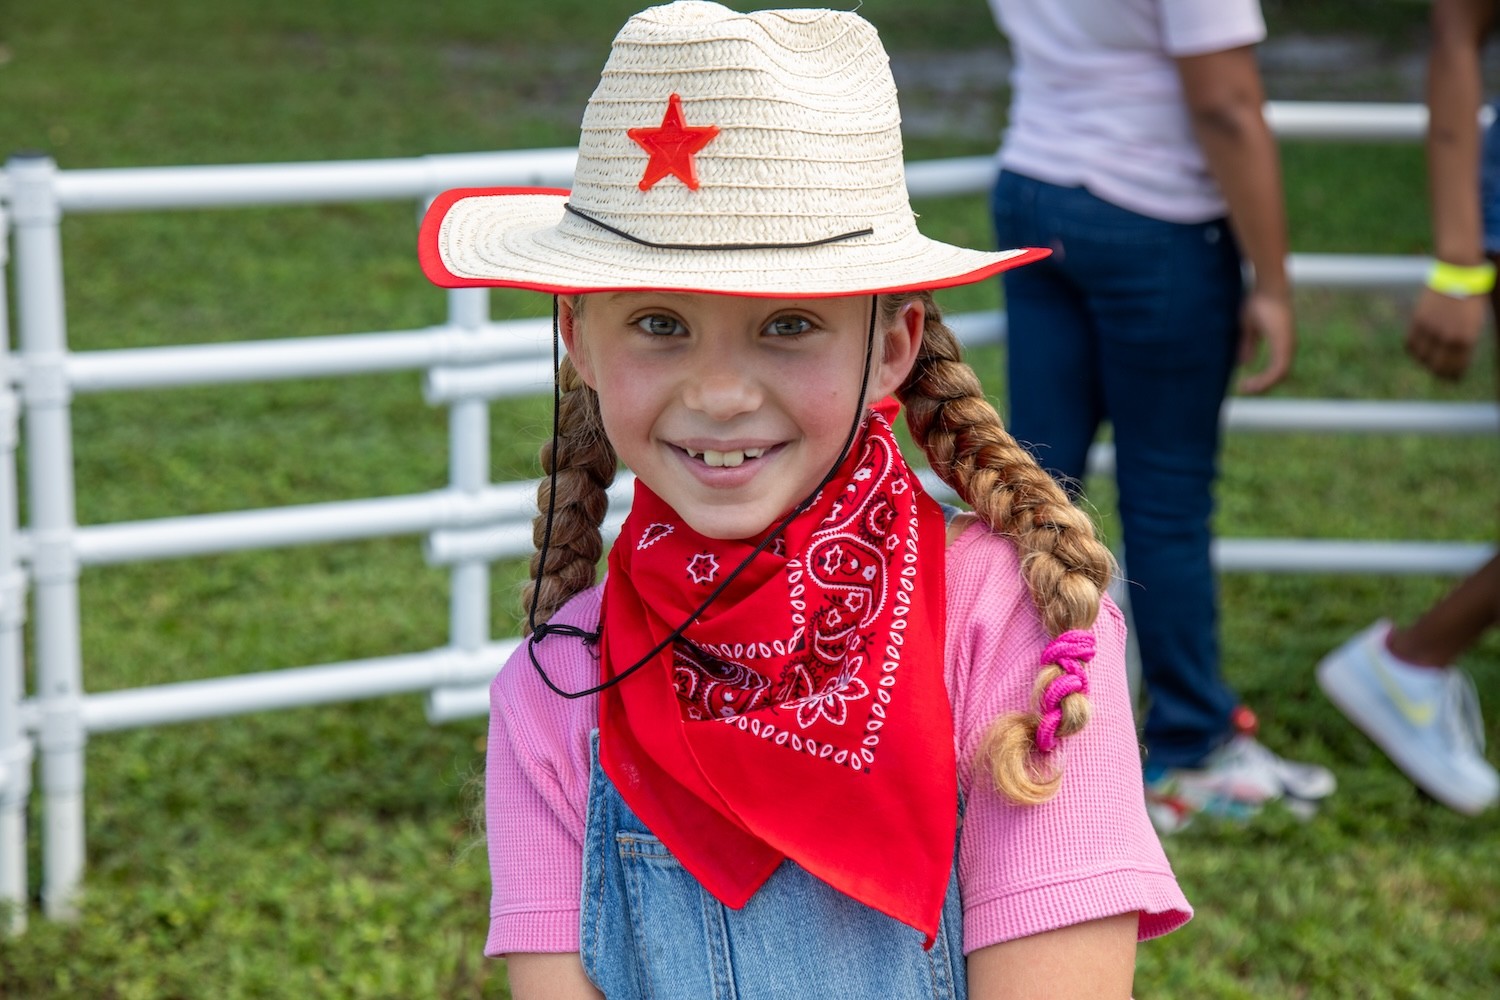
point(1093, 960)
point(1445, 328)
point(549, 976)
point(1224, 99)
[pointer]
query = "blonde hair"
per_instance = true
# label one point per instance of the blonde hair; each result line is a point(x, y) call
point(583, 463)
point(1062, 560)
point(1064, 564)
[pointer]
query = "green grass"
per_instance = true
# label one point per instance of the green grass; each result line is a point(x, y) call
point(327, 852)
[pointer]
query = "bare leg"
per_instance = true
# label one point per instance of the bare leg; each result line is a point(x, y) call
point(1454, 623)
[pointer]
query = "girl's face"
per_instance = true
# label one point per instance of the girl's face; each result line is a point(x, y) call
point(732, 409)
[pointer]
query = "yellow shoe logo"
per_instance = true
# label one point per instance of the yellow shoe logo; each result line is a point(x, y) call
point(1418, 713)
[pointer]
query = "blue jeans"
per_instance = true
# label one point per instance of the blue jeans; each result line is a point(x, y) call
point(1135, 321)
point(1489, 185)
point(649, 930)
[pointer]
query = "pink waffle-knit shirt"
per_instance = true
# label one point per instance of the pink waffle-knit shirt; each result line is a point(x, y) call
point(1089, 852)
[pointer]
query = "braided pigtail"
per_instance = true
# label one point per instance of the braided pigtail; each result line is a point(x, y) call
point(1065, 565)
point(587, 465)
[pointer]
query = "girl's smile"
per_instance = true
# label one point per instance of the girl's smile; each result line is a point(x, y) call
point(731, 409)
point(730, 458)
point(726, 466)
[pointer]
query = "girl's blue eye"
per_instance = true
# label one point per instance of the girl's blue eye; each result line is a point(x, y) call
point(660, 326)
point(788, 326)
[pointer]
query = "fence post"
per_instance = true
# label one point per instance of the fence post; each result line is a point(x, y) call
point(469, 473)
point(54, 564)
point(15, 744)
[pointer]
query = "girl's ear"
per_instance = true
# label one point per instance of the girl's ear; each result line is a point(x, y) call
point(569, 317)
point(902, 340)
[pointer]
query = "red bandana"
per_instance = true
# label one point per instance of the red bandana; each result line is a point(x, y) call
point(806, 716)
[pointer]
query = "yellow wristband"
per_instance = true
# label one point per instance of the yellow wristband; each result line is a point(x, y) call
point(1461, 282)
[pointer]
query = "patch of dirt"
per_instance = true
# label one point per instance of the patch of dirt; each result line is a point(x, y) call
point(964, 93)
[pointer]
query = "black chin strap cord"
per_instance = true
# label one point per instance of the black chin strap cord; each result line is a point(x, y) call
point(545, 629)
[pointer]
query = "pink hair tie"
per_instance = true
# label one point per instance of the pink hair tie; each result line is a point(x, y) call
point(1071, 651)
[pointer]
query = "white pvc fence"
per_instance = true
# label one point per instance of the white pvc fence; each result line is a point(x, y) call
point(468, 362)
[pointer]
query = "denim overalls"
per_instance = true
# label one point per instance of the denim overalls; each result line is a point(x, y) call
point(651, 932)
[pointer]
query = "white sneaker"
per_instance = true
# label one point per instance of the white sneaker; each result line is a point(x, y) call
point(1294, 779)
point(1425, 719)
point(1235, 781)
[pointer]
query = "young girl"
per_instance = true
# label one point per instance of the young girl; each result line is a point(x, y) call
point(813, 736)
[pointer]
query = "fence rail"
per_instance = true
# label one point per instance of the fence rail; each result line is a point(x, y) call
point(467, 362)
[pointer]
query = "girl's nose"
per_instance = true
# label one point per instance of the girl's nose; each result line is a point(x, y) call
point(721, 386)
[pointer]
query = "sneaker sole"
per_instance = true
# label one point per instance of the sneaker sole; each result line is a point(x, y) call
point(1373, 719)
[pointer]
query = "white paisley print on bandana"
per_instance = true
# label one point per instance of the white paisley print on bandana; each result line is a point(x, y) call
point(824, 689)
point(654, 533)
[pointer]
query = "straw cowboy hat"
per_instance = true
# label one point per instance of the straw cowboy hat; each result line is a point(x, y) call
point(749, 154)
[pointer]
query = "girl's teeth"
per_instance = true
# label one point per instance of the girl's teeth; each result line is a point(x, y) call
point(727, 459)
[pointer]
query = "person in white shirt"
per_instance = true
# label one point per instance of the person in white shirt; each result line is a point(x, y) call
point(1137, 150)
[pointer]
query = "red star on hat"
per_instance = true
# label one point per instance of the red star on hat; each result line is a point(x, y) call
point(672, 146)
